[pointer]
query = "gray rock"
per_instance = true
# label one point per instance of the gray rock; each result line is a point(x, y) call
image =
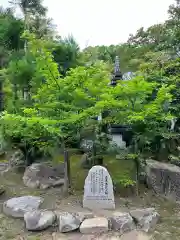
point(18, 206)
point(4, 166)
point(84, 215)
point(43, 176)
point(122, 222)
point(68, 221)
point(16, 159)
point(39, 219)
point(94, 225)
point(15, 162)
point(146, 219)
point(164, 179)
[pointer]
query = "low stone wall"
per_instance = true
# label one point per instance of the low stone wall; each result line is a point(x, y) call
point(86, 222)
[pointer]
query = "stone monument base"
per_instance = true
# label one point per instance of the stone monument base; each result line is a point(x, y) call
point(95, 204)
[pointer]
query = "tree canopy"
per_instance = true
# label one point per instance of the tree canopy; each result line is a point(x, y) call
point(52, 89)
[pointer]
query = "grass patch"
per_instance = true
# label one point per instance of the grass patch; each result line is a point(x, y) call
point(118, 169)
point(3, 161)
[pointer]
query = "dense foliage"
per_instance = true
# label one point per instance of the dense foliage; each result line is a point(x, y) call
point(52, 90)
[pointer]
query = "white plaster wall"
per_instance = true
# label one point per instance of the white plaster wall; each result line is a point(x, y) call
point(117, 139)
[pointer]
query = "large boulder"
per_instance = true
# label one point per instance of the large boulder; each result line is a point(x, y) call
point(68, 221)
point(95, 225)
point(146, 219)
point(16, 161)
point(164, 179)
point(39, 219)
point(18, 206)
point(122, 222)
point(17, 158)
point(43, 175)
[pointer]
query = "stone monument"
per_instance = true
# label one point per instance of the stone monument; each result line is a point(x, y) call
point(98, 189)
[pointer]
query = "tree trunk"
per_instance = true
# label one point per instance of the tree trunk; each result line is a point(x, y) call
point(137, 176)
point(137, 166)
point(66, 172)
point(1, 97)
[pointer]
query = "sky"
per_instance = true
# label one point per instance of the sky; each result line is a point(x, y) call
point(104, 22)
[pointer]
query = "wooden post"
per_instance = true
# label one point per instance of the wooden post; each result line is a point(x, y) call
point(94, 153)
point(67, 182)
point(68, 169)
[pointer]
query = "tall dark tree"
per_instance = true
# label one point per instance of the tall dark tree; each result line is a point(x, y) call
point(29, 9)
point(10, 41)
point(67, 54)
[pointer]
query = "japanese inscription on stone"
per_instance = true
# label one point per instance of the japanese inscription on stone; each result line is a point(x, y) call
point(98, 189)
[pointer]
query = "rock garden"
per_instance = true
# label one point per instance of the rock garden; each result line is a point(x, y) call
point(41, 211)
